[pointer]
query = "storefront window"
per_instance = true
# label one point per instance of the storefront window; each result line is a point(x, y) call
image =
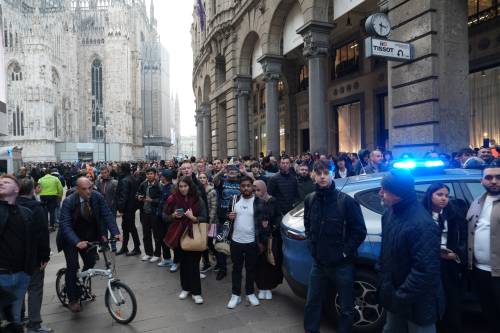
point(345, 60)
point(282, 134)
point(303, 78)
point(484, 105)
point(349, 122)
point(480, 11)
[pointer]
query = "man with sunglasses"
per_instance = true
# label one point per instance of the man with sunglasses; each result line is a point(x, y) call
point(484, 245)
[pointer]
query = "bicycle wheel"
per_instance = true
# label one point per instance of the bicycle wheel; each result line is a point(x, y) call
point(123, 312)
point(61, 287)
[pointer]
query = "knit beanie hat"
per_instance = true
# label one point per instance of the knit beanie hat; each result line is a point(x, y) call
point(399, 182)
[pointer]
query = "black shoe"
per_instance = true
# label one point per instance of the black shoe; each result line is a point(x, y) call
point(134, 252)
point(220, 275)
point(122, 251)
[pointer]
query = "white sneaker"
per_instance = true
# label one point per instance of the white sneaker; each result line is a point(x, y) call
point(174, 268)
point(145, 257)
point(198, 299)
point(154, 259)
point(269, 295)
point(202, 276)
point(252, 300)
point(234, 301)
point(184, 294)
point(262, 294)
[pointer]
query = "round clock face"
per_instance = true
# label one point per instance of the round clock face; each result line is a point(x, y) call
point(379, 24)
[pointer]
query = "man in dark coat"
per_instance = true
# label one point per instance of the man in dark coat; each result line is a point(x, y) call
point(284, 187)
point(127, 205)
point(41, 254)
point(305, 183)
point(410, 277)
point(335, 227)
point(85, 217)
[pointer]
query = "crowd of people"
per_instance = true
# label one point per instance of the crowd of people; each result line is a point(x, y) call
point(239, 203)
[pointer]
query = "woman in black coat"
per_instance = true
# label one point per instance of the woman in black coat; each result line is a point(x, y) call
point(268, 276)
point(450, 217)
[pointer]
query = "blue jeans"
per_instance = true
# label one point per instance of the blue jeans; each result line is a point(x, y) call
point(16, 284)
point(397, 324)
point(321, 279)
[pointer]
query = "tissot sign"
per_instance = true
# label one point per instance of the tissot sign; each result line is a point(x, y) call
point(392, 50)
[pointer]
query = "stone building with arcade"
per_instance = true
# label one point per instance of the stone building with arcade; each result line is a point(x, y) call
point(291, 75)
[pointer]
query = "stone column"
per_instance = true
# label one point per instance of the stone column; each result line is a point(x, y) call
point(243, 86)
point(316, 35)
point(271, 64)
point(207, 137)
point(199, 133)
point(429, 95)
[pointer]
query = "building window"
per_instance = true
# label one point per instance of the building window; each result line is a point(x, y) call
point(345, 60)
point(281, 89)
point(262, 99)
point(303, 78)
point(56, 132)
point(349, 127)
point(16, 74)
point(18, 122)
point(480, 11)
point(97, 116)
point(220, 69)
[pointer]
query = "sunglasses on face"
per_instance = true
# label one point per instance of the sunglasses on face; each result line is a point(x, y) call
point(490, 177)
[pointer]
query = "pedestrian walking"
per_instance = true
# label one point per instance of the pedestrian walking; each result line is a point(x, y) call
point(268, 274)
point(148, 195)
point(410, 278)
point(127, 205)
point(335, 227)
point(484, 245)
point(17, 253)
point(248, 221)
point(41, 253)
point(186, 206)
point(450, 219)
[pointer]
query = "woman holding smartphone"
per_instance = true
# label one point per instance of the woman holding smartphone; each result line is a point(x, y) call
point(450, 218)
point(185, 204)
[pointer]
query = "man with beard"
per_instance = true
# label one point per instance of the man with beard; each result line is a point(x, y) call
point(305, 183)
point(484, 245)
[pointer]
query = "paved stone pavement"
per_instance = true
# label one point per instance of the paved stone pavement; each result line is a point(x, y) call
point(159, 309)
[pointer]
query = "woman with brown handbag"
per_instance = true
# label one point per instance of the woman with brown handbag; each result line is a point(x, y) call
point(185, 205)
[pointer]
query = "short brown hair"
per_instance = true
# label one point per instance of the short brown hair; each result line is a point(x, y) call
point(11, 177)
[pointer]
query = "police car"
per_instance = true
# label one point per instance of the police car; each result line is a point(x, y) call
point(464, 186)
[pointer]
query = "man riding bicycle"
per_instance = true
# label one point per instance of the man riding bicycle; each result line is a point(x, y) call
point(85, 217)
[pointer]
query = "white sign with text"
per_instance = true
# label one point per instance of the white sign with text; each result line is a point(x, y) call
point(389, 49)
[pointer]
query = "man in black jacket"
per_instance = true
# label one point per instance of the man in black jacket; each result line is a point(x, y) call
point(42, 254)
point(16, 251)
point(410, 277)
point(284, 187)
point(335, 227)
point(149, 195)
point(305, 183)
point(126, 204)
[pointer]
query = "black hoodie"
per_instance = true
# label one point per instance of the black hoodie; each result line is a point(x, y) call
point(40, 230)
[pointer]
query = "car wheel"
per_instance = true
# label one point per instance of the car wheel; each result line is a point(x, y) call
point(369, 316)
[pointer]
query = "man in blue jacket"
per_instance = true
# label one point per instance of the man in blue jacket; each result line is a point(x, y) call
point(335, 227)
point(85, 217)
point(410, 276)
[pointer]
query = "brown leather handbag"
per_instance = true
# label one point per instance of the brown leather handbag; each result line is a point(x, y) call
point(199, 240)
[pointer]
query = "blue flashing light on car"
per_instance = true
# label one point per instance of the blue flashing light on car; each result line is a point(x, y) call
point(417, 164)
